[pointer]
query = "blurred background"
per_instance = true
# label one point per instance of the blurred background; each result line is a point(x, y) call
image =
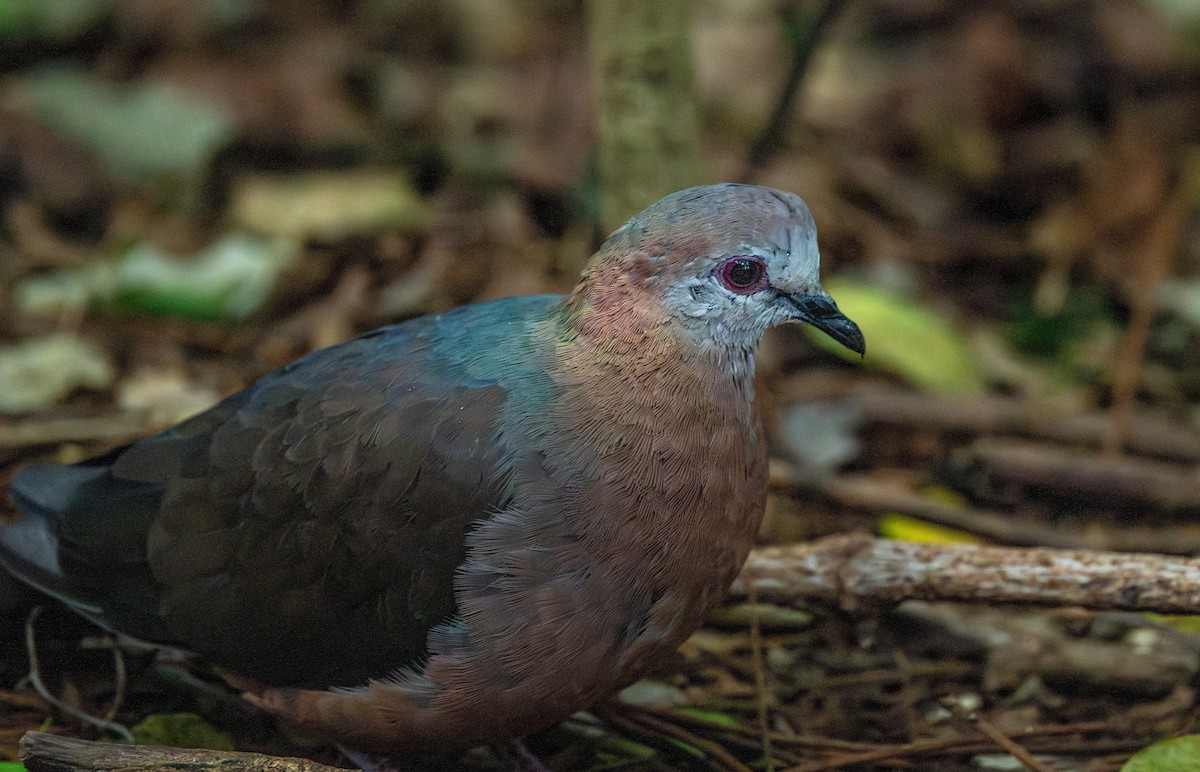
point(194, 193)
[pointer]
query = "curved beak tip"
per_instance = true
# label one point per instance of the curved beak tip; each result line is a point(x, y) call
point(847, 333)
point(821, 312)
point(853, 339)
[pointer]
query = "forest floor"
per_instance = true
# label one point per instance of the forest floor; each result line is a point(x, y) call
point(193, 194)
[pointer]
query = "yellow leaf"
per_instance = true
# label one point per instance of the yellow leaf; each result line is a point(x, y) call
point(905, 338)
point(905, 528)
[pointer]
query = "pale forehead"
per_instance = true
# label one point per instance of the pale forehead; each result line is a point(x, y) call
point(705, 224)
point(773, 225)
point(729, 216)
point(786, 226)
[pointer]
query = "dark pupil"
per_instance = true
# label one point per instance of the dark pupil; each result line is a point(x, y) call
point(743, 273)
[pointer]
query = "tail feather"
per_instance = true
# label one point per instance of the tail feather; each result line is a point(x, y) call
point(49, 492)
point(29, 552)
point(30, 547)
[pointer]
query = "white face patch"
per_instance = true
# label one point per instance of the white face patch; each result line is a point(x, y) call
point(792, 262)
point(688, 237)
point(796, 262)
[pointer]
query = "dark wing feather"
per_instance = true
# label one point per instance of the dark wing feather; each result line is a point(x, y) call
point(321, 512)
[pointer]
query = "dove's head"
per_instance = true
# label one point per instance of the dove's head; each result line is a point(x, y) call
point(727, 262)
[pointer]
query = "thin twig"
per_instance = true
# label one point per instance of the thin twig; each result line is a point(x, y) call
point(805, 742)
point(875, 754)
point(760, 681)
point(842, 752)
point(990, 731)
point(767, 142)
point(650, 734)
point(710, 747)
point(1159, 241)
point(119, 676)
point(54, 753)
point(35, 679)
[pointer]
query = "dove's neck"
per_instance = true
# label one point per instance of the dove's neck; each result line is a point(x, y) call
point(624, 326)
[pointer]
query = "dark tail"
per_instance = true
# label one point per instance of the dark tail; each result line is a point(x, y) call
point(29, 548)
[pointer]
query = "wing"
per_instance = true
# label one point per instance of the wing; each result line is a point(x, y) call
point(320, 512)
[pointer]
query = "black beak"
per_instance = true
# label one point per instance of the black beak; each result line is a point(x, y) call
point(821, 312)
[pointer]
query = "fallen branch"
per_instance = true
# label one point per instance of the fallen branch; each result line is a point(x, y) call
point(1149, 434)
point(43, 432)
point(864, 493)
point(857, 570)
point(43, 752)
point(1118, 479)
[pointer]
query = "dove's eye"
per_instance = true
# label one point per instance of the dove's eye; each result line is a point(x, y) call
point(743, 274)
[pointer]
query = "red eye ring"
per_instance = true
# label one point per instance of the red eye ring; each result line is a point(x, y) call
point(743, 274)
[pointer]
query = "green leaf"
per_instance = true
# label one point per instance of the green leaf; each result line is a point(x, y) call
point(1184, 623)
point(712, 716)
point(1051, 336)
point(627, 747)
point(60, 20)
point(1167, 756)
point(228, 279)
point(687, 748)
point(181, 730)
point(771, 618)
point(904, 338)
point(11, 766)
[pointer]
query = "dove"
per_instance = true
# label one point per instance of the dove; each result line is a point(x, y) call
point(465, 527)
